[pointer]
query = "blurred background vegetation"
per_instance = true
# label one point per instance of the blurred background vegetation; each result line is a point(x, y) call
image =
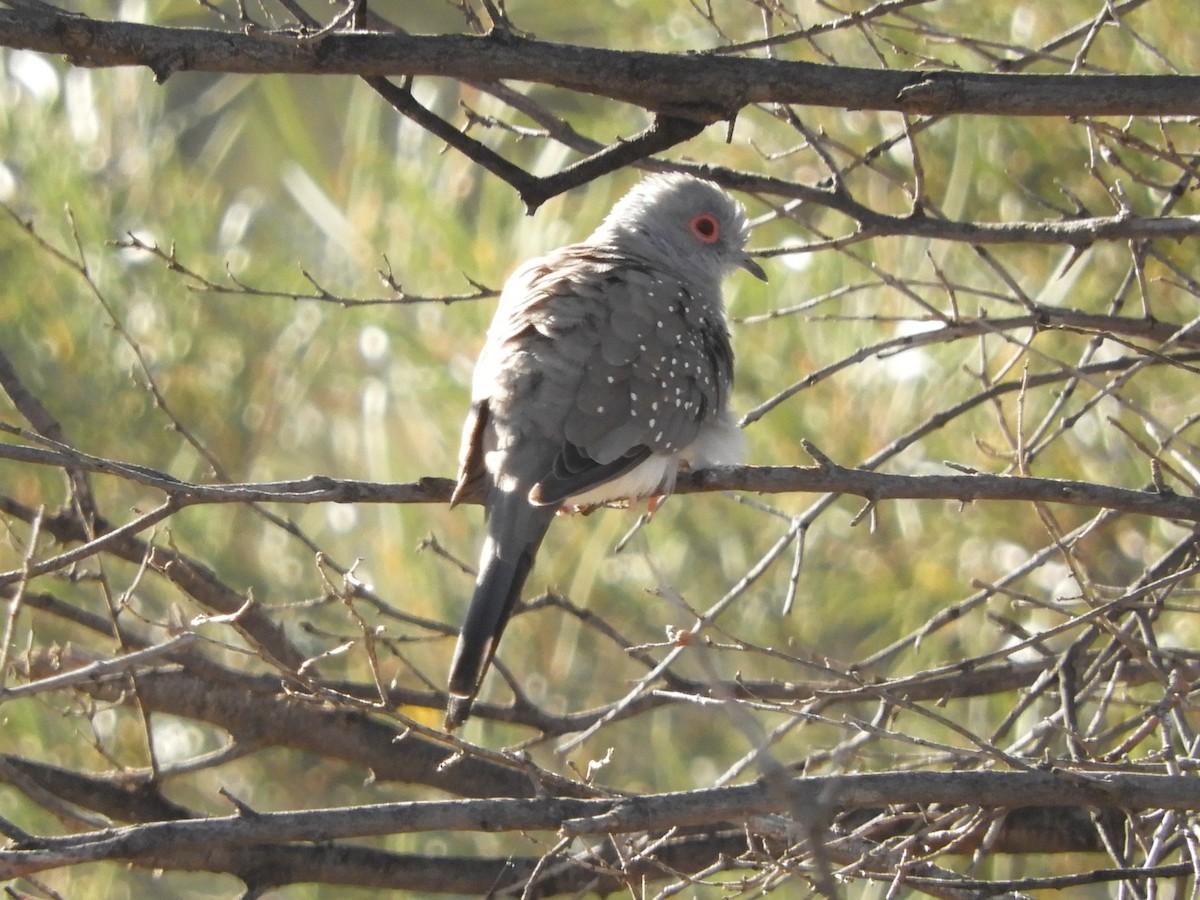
point(283, 182)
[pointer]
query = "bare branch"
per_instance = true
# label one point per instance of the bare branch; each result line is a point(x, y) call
point(827, 477)
point(581, 817)
point(700, 88)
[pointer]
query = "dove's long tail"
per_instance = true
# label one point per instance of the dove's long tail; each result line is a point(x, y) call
point(515, 529)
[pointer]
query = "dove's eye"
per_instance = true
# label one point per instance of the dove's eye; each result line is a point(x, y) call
point(705, 227)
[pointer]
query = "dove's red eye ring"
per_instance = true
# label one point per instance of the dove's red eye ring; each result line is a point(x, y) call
point(706, 228)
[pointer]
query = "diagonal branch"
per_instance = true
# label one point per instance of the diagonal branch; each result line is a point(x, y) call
point(664, 132)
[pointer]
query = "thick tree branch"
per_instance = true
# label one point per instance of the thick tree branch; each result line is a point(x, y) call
point(271, 865)
point(654, 812)
point(258, 713)
point(702, 87)
point(264, 866)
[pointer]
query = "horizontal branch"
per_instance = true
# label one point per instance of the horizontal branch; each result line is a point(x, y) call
point(702, 87)
point(826, 478)
point(1036, 829)
point(1079, 231)
point(655, 812)
point(876, 486)
point(599, 874)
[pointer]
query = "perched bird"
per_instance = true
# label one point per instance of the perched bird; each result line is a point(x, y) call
point(607, 367)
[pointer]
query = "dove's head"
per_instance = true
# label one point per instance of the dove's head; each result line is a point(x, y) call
point(684, 224)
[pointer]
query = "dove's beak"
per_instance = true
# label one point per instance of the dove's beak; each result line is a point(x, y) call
point(753, 268)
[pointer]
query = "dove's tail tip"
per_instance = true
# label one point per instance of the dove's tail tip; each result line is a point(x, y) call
point(458, 710)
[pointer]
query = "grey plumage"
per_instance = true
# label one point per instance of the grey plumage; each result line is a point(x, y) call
point(606, 368)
